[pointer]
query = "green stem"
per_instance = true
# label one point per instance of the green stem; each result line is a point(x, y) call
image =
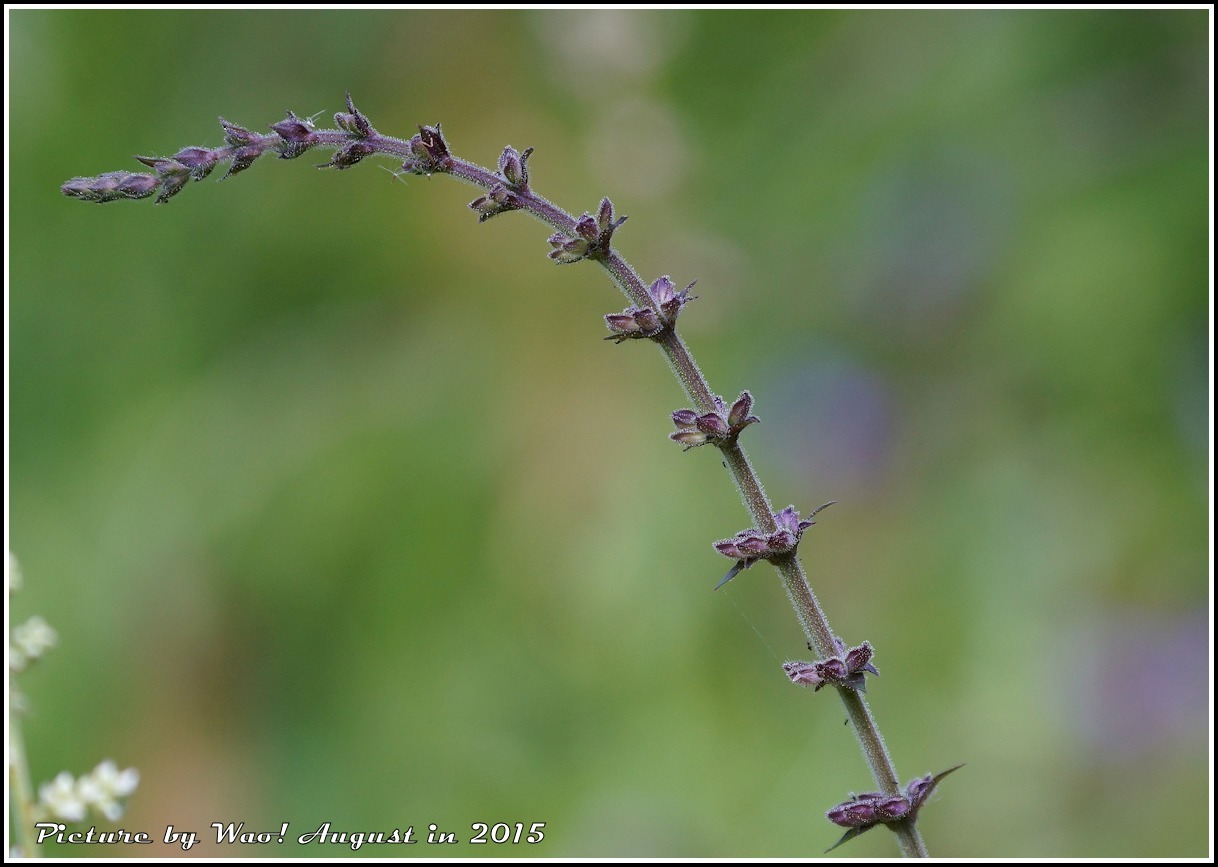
point(19, 782)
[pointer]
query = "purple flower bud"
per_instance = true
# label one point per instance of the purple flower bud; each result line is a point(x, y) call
point(429, 152)
point(605, 222)
point(781, 541)
point(622, 322)
point(661, 290)
point(859, 659)
point(852, 814)
point(237, 135)
point(297, 130)
point(199, 160)
point(604, 215)
point(137, 186)
point(919, 788)
point(788, 519)
point(171, 185)
point(353, 121)
point(648, 321)
point(79, 188)
point(567, 250)
point(496, 201)
point(712, 424)
point(802, 673)
point(510, 167)
point(684, 417)
point(111, 187)
point(586, 228)
point(243, 158)
point(891, 809)
point(106, 185)
point(514, 167)
point(740, 409)
point(296, 136)
point(832, 670)
point(752, 545)
point(727, 547)
point(688, 438)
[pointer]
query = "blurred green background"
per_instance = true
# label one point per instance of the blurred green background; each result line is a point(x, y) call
point(345, 512)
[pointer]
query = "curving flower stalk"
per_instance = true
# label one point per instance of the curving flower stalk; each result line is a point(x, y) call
point(652, 315)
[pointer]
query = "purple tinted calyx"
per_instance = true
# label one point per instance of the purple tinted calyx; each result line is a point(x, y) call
point(752, 544)
point(847, 669)
point(863, 812)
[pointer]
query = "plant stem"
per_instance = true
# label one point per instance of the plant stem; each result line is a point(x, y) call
point(428, 153)
point(22, 791)
point(795, 583)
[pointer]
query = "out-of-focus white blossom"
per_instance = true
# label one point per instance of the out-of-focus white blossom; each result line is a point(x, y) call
point(70, 800)
point(102, 788)
point(61, 798)
point(30, 641)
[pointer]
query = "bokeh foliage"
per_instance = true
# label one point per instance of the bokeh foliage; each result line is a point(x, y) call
point(345, 513)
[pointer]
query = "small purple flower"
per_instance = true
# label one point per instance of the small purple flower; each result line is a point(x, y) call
point(740, 409)
point(853, 814)
point(750, 545)
point(891, 809)
point(199, 160)
point(567, 250)
point(111, 187)
point(171, 175)
point(498, 200)
point(803, 673)
point(846, 669)
point(428, 152)
point(514, 167)
point(296, 134)
point(298, 130)
point(138, 186)
point(586, 227)
point(242, 158)
point(716, 427)
point(638, 322)
point(713, 425)
point(858, 659)
point(353, 120)
point(347, 155)
point(863, 812)
point(236, 135)
point(590, 238)
point(649, 321)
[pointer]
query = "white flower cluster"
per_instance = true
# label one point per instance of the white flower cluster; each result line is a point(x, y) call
point(30, 641)
point(69, 800)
